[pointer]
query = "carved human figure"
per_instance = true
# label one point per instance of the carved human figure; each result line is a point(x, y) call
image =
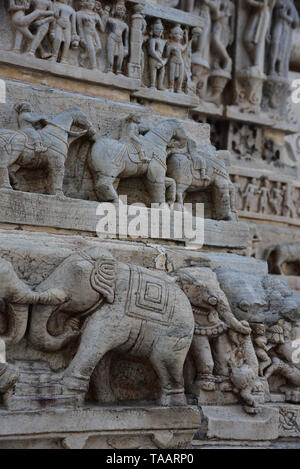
point(41, 27)
point(285, 19)
point(156, 49)
point(21, 21)
point(132, 130)
point(222, 13)
point(289, 209)
point(256, 31)
point(264, 193)
point(198, 158)
point(238, 191)
point(117, 39)
point(63, 31)
point(213, 318)
point(88, 24)
point(174, 54)
point(276, 198)
point(27, 121)
point(260, 342)
point(53, 140)
point(204, 40)
point(249, 194)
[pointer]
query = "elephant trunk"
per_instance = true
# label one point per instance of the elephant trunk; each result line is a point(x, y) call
point(39, 335)
point(17, 319)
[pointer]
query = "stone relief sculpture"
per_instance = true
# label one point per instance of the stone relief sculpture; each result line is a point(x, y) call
point(174, 54)
point(280, 254)
point(21, 22)
point(117, 39)
point(111, 160)
point(285, 19)
point(63, 31)
point(15, 297)
point(154, 320)
point(157, 62)
point(89, 22)
point(46, 148)
point(202, 167)
point(256, 32)
point(249, 194)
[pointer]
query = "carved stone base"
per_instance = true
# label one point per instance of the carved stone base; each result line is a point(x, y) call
point(232, 423)
point(100, 428)
point(37, 390)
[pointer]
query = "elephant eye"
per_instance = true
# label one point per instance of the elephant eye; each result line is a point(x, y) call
point(244, 305)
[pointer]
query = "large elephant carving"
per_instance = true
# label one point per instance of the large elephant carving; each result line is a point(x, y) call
point(114, 305)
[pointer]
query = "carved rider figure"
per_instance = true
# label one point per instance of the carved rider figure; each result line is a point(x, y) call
point(27, 121)
point(132, 129)
point(198, 157)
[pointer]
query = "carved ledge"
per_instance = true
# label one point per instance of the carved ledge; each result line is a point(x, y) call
point(69, 71)
point(100, 428)
point(80, 215)
point(262, 118)
point(178, 99)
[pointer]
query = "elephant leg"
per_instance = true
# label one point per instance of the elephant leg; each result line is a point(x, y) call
point(99, 336)
point(105, 188)
point(221, 353)
point(169, 369)
point(101, 386)
point(204, 363)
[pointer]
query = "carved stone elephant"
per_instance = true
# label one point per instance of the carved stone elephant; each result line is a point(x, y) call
point(116, 306)
point(276, 256)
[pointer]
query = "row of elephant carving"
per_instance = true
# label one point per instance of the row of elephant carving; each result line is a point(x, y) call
point(236, 339)
point(164, 155)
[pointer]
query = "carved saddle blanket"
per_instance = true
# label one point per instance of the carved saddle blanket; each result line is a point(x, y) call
point(150, 297)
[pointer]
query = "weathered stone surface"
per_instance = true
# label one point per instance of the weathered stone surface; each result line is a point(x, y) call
point(101, 428)
point(229, 423)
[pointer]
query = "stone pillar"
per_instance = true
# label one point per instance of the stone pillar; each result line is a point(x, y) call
point(136, 43)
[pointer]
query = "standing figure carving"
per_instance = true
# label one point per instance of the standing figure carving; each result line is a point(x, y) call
point(63, 31)
point(174, 54)
point(157, 62)
point(285, 20)
point(21, 22)
point(88, 23)
point(118, 39)
point(256, 31)
point(222, 34)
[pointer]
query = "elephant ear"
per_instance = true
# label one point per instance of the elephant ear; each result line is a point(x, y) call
point(103, 278)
